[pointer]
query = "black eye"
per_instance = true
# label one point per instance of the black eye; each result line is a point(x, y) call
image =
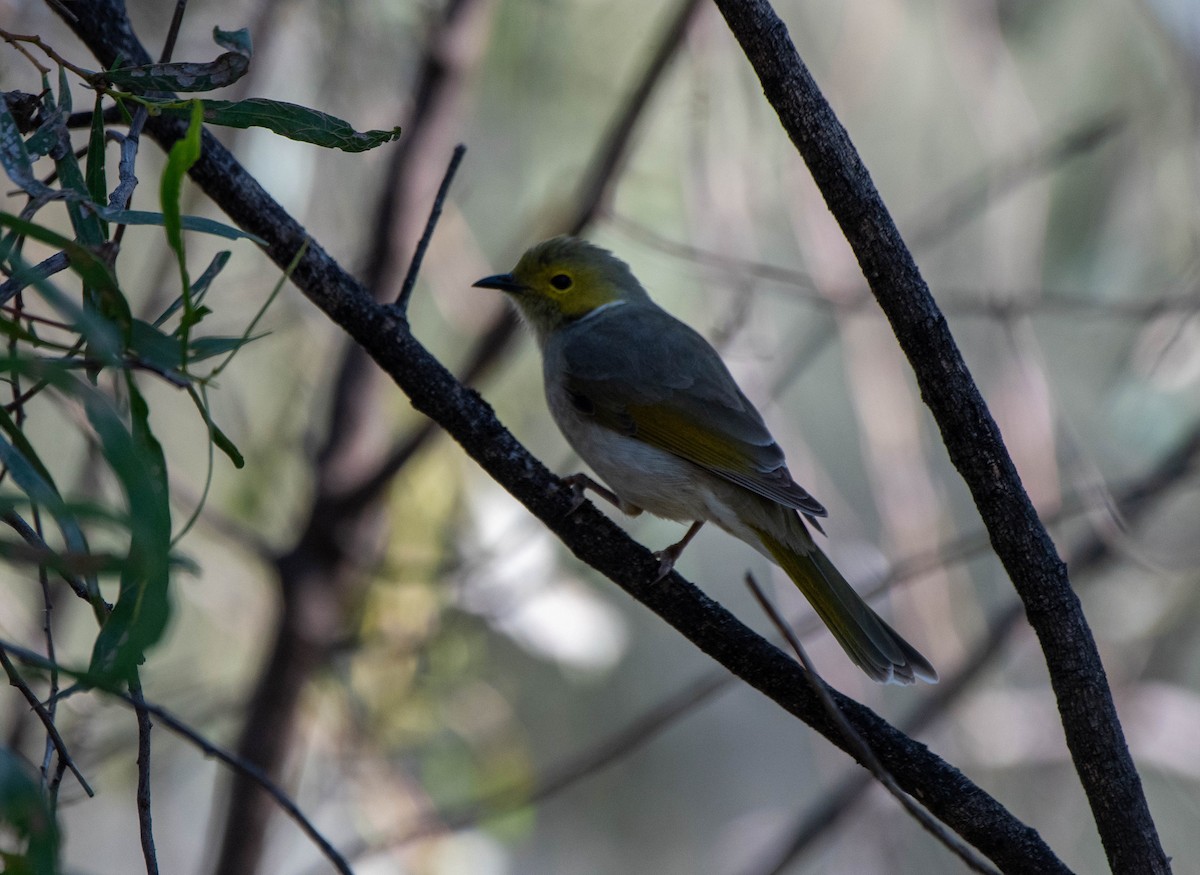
point(561, 281)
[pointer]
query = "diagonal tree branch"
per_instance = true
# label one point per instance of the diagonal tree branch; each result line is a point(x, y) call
point(1089, 717)
point(967, 809)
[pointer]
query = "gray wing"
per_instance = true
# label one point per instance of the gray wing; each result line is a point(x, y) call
point(640, 371)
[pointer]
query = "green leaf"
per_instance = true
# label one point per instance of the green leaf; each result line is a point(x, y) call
point(105, 331)
point(188, 77)
point(188, 223)
point(183, 155)
point(64, 91)
point(27, 814)
point(95, 176)
point(200, 287)
point(295, 122)
point(206, 347)
point(135, 456)
point(97, 182)
point(155, 347)
point(15, 331)
point(286, 119)
point(33, 478)
point(89, 230)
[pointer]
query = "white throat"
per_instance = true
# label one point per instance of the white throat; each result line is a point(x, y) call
point(610, 305)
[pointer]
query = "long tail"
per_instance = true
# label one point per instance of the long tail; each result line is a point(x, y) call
point(870, 642)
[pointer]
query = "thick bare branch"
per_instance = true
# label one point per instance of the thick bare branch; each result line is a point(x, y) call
point(1089, 717)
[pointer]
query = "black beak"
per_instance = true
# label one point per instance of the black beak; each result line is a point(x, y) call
point(505, 282)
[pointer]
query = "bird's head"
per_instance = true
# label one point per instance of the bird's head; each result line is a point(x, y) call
point(564, 279)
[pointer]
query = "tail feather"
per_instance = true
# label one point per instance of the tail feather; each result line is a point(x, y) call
point(871, 643)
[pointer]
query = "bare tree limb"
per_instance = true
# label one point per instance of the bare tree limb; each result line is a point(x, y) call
point(1089, 717)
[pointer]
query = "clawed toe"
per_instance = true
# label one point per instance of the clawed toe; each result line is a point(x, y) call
point(668, 557)
point(581, 482)
point(666, 562)
point(577, 487)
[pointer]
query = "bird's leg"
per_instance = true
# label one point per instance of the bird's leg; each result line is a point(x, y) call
point(581, 482)
point(668, 557)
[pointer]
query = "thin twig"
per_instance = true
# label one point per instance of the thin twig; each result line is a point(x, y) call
point(253, 773)
point(860, 749)
point(414, 267)
point(33, 39)
point(208, 748)
point(173, 31)
point(145, 820)
point(35, 540)
point(44, 269)
point(64, 755)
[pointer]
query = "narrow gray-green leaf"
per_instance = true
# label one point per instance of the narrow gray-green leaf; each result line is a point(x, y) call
point(89, 230)
point(33, 478)
point(182, 156)
point(187, 223)
point(140, 615)
point(26, 813)
point(188, 76)
point(97, 181)
point(206, 347)
point(295, 122)
point(156, 347)
point(105, 331)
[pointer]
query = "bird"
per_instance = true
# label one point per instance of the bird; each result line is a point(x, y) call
point(653, 410)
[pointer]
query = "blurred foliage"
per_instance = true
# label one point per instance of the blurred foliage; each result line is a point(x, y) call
point(76, 358)
point(483, 659)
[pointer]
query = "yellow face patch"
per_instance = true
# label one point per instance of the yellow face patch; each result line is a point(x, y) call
point(573, 286)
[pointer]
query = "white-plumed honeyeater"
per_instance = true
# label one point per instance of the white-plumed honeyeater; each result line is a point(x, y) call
point(650, 406)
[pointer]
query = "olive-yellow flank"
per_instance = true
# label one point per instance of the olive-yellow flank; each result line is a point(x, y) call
point(650, 406)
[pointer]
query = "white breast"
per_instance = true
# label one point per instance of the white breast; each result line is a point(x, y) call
point(642, 476)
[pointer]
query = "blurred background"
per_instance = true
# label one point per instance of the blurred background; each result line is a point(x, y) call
point(440, 685)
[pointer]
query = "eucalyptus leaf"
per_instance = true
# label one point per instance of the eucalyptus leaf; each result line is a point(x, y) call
point(155, 347)
point(140, 615)
point(187, 223)
point(182, 156)
point(25, 813)
point(33, 478)
point(106, 331)
point(207, 347)
point(187, 76)
point(295, 122)
point(89, 230)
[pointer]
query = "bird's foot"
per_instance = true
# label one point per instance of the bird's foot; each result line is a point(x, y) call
point(579, 483)
point(670, 555)
point(666, 561)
